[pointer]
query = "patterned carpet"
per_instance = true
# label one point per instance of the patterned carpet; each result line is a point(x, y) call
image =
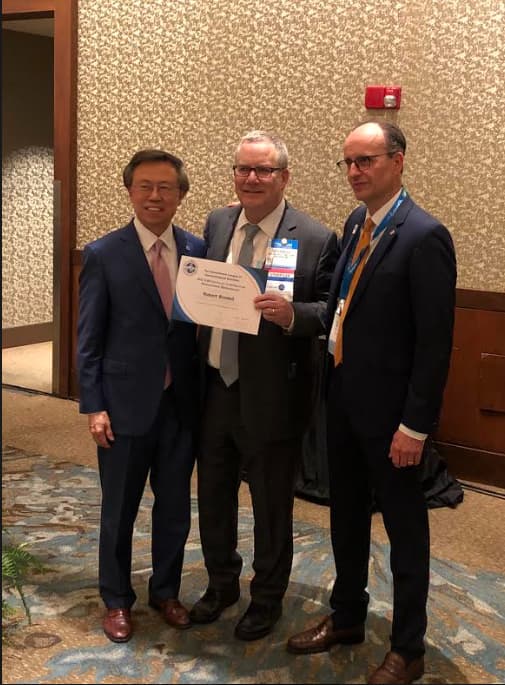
point(54, 508)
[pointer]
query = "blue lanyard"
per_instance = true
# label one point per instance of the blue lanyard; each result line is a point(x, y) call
point(351, 265)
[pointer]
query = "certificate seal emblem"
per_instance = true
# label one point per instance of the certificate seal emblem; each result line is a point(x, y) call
point(190, 268)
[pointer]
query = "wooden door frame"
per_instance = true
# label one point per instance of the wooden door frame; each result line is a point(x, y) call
point(64, 13)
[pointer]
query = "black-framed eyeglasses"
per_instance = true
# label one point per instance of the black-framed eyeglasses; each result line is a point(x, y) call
point(363, 162)
point(262, 172)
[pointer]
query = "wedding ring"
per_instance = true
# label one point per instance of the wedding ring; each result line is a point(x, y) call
point(272, 311)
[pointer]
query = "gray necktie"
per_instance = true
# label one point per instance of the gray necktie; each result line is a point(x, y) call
point(228, 367)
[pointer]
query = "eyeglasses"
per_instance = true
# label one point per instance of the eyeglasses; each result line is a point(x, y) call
point(163, 189)
point(262, 172)
point(362, 163)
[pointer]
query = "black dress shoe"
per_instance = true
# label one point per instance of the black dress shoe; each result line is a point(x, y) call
point(258, 621)
point(210, 607)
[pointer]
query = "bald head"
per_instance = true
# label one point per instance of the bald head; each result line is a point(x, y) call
point(374, 153)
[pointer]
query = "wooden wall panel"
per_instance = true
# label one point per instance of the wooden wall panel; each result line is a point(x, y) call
point(471, 434)
point(27, 335)
point(474, 465)
point(492, 383)
point(464, 421)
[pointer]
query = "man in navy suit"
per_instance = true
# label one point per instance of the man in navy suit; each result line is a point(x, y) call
point(390, 338)
point(255, 421)
point(138, 373)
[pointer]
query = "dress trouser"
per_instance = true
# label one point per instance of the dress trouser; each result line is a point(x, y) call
point(227, 449)
point(359, 470)
point(165, 452)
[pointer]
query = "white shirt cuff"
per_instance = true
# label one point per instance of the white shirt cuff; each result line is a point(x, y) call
point(411, 433)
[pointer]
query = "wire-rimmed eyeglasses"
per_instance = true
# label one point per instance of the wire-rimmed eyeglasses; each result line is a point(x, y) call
point(363, 162)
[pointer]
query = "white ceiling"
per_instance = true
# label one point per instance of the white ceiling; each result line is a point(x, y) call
point(41, 27)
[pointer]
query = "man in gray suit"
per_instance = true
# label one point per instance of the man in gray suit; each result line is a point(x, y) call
point(255, 418)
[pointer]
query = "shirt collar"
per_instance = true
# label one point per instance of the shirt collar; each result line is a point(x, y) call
point(148, 238)
point(269, 223)
point(379, 215)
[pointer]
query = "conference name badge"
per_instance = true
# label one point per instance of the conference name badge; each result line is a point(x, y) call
point(280, 261)
point(332, 339)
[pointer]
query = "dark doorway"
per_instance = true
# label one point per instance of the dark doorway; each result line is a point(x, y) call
point(61, 16)
point(27, 203)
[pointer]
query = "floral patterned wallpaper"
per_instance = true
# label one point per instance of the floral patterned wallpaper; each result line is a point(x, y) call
point(192, 76)
point(27, 231)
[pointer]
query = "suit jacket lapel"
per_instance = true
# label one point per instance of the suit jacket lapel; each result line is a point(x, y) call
point(220, 243)
point(287, 223)
point(182, 242)
point(134, 254)
point(386, 241)
point(339, 272)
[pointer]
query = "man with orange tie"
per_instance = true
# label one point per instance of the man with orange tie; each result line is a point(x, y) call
point(138, 375)
point(390, 321)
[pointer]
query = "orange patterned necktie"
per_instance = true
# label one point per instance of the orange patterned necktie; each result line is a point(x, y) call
point(363, 245)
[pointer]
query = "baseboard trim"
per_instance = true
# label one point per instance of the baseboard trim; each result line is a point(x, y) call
point(478, 466)
point(27, 335)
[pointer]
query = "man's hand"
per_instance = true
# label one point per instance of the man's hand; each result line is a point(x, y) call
point(275, 308)
point(100, 428)
point(405, 451)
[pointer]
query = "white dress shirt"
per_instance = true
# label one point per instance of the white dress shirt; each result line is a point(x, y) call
point(268, 228)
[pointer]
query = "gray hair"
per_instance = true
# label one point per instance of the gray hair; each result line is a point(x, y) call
point(269, 137)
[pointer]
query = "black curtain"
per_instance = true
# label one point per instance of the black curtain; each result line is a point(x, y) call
point(440, 488)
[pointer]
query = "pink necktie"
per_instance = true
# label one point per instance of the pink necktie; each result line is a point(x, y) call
point(161, 277)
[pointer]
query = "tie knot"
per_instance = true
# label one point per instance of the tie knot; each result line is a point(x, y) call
point(157, 247)
point(250, 231)
point(369, 225)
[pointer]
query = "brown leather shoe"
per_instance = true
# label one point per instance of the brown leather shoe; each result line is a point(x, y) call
point(117, 625)
point(323, 636)
point(395, 670)
point(173, 612)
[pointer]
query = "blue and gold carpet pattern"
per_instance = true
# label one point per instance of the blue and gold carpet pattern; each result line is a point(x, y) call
point(54, 508)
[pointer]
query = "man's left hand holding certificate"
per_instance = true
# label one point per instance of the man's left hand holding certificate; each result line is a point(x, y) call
point(218, 294)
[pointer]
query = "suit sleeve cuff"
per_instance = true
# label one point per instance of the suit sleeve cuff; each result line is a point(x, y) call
point(289, 328)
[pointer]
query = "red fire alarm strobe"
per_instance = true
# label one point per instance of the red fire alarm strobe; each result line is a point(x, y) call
point(383, 97)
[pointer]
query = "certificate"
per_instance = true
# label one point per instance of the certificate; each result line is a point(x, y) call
point(218, 294)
